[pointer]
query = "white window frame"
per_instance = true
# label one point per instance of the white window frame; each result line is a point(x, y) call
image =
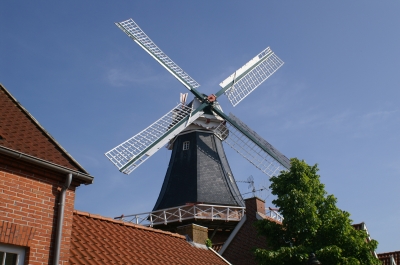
point(186, 145)
point(20, 251)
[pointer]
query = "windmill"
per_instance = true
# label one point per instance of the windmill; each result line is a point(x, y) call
point(203, 122)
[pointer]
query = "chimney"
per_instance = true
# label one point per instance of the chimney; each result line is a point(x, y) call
point(198, 234)
point(254, 205)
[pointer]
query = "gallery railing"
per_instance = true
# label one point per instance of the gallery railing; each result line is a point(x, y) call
point(186, 212)
point(273, 213)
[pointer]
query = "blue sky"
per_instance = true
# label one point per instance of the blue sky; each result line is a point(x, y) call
point(335, 101)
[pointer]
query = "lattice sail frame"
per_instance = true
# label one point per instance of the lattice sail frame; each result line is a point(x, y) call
point(241, 83)
point(141, 146)
point(250, 150)
point(137, 34)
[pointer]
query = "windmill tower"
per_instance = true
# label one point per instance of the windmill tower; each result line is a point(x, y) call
point(198, 172)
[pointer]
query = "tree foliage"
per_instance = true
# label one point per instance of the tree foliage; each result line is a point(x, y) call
point(312, 223)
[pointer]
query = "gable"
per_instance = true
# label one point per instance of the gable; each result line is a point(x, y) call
point(20, 131)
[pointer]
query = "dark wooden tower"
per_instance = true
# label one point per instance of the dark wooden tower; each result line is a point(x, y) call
point(198, 172)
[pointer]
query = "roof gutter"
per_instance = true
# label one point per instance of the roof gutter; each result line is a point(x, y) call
point(85, 178)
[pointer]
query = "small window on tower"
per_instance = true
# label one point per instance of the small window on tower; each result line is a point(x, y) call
point(186, 145)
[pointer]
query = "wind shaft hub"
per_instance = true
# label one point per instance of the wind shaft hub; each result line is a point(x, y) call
point(211, 98)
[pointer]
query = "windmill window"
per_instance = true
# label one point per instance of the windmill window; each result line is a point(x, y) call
point(186, 145)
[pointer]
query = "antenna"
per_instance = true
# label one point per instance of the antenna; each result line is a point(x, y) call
point(254, 191)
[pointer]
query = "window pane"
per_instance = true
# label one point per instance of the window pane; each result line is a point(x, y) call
point(11, 255)
point(11, 259)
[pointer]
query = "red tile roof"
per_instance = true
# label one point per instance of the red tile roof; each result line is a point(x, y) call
point(99, 240)
point(20, 131)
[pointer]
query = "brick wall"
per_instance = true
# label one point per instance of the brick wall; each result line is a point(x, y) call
point(28, 210)
point(240, 250)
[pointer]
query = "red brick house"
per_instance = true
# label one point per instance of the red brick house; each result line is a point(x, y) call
point(37, 189)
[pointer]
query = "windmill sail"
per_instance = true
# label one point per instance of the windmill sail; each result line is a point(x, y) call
point(130, 154)
point(137, 34)
point(252, 146)
point(134, 151)
point(242, 82)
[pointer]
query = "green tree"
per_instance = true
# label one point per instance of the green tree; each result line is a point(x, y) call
point(312, 223)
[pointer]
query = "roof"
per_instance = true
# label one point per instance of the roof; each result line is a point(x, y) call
point(359, 226)
point(266, 217)
point(100, 240)
point(20, 131)
point(386, 257)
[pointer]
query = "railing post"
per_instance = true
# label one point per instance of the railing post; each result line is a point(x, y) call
point(165, 218)
point(180, 214)
point(212, 213)
point(227, 215)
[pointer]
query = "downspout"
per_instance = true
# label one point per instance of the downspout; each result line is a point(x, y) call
point(60, 219)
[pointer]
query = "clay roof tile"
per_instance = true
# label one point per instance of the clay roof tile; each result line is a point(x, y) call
point(101, 240)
